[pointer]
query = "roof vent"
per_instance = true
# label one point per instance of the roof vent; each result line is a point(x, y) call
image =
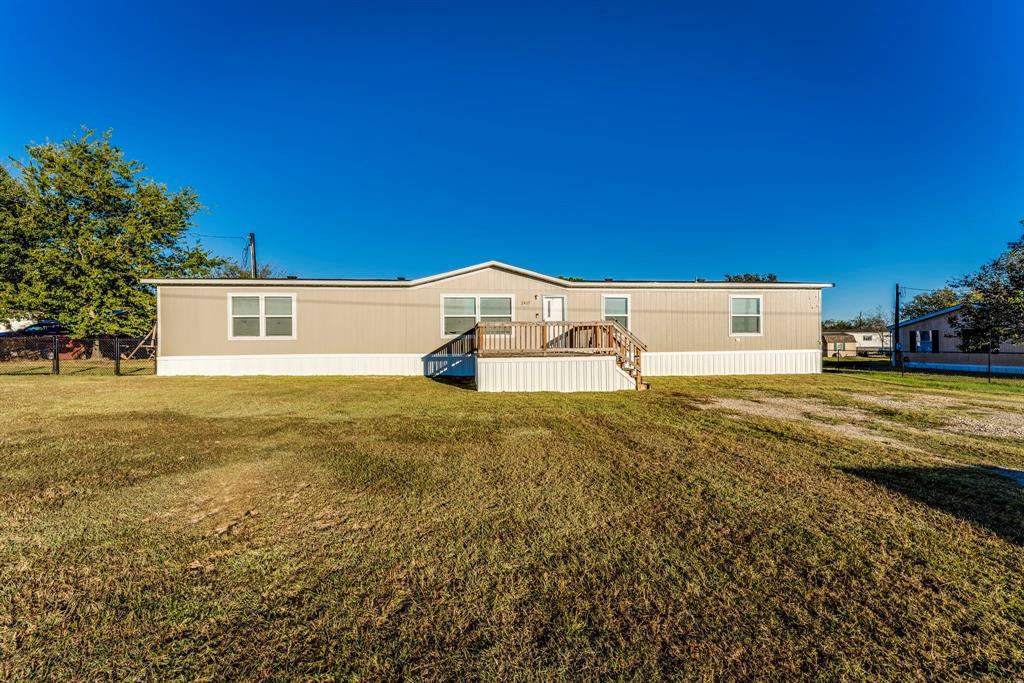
point(293, 277)
point(700, 279)
point(608, 279)
point(401, 277)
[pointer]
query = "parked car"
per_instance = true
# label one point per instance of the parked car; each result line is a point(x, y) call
point(35, 342)
point(43, 328)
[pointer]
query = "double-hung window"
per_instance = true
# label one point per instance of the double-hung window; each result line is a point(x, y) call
point(261, 316)
point(615, 307)
point(745, 315)
point(461, 312)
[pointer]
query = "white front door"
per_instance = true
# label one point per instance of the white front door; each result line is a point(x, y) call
point(554, 309)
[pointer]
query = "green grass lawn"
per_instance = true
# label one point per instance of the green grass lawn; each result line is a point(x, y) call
point(878, 363)
point(78, 366)
point(841, 526)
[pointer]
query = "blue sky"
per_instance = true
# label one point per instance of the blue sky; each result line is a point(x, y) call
point(860, 143)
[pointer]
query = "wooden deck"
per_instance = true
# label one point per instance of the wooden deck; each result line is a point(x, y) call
point(533, 339)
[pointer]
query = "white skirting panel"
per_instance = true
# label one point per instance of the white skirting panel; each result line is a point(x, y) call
point(968, 367)
point(410, 364)
point(589, 373)
point(791, 362)
point(571, 373)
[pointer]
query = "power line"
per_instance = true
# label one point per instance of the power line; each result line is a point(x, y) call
point(919, 289)
point(220, 237)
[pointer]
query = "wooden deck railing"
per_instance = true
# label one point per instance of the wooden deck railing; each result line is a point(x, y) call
point(493, 339)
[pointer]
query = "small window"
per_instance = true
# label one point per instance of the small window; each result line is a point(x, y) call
point(245, 316)
point(745, 315)
point(461, 313)
point(278, 315)
point(924, 341)
point(262, 316)
point(616, 308)
point(496, 309)
point(868, 337)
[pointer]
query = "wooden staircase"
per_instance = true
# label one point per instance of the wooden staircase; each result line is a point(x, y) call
point(605, 337)
point(628, 349)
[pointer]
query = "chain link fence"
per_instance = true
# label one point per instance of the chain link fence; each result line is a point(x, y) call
point(60, 355)
point(1006, 364)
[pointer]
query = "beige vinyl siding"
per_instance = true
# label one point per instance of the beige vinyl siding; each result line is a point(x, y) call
point(387, 320)
point(949, 340)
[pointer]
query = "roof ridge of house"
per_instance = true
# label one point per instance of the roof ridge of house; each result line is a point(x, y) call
point(933, 314)
point(426, 279)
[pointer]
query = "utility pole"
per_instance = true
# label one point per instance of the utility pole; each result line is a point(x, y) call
point(895, 341)
point(252, 255)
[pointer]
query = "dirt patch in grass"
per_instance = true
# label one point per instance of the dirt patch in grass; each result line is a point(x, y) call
point(998, 424)
point(1002, 419)
point(840, 420)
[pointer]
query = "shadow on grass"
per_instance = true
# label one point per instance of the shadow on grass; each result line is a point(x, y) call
point(991, 500)
point(468, 383)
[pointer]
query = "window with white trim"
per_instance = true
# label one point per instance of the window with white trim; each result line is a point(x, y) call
point(460, 313)
point(261, 316)
point(616, 308)
point(924, 341)
point(745, 315)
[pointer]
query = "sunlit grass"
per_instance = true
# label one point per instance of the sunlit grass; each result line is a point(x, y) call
point(162, 528)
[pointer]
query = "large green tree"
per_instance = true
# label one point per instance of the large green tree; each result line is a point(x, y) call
point(81, 226)
point(993, 310)
point(14, 230)
point(930, 302)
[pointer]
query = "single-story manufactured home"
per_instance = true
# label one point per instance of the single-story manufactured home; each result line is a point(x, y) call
point(869, 341)
point(838, 344)
point(932, 342)
point(510, 328)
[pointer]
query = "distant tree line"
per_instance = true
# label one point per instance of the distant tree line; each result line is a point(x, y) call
point(876, 321)
point(236, 270)
point(751, 277)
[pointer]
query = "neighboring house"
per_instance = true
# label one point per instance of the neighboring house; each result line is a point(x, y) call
point(931, 342)
point(870, 341)
point(512, 328)
point(838, 344)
